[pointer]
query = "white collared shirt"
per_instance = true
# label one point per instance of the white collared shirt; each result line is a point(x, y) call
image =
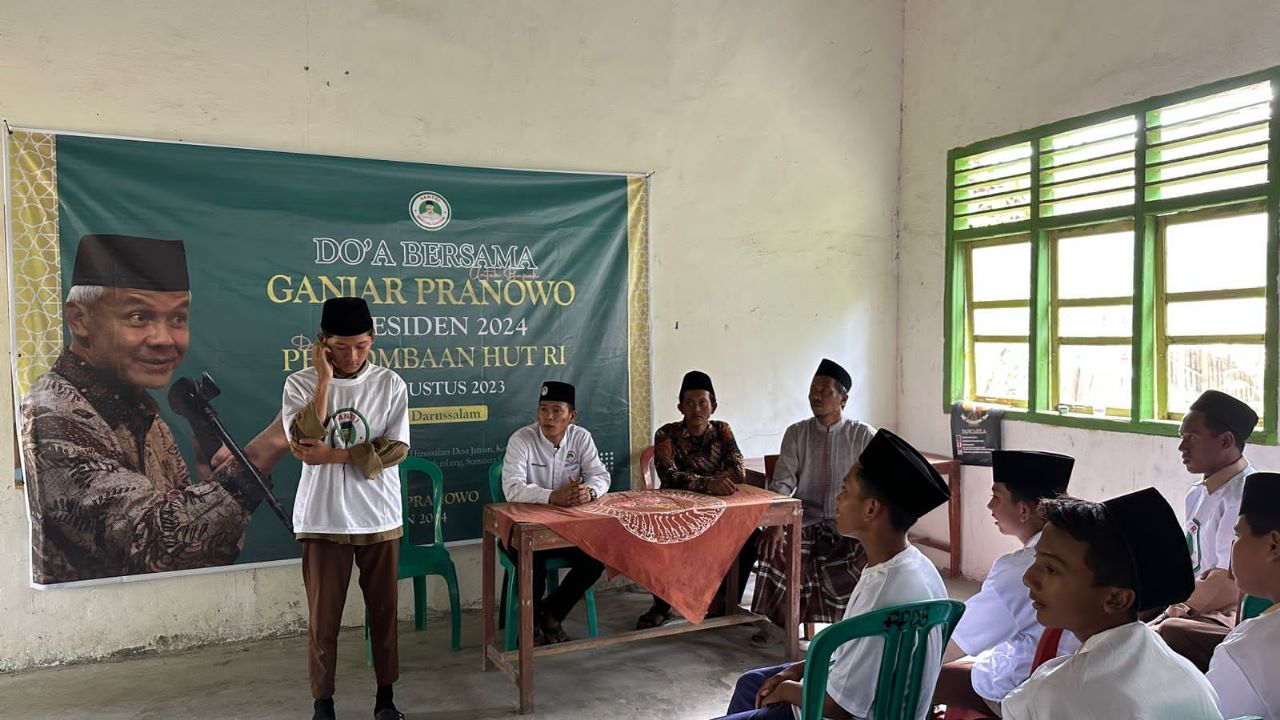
point(1126, 672)
point(1245, 669)
point(1000, 629)
point(533, 467)
point(907, 577)
point(1211, 520)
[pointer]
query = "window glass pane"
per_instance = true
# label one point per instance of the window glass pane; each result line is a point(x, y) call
point(1246, 316)
point(1001, 321)
point(1233, 369)
point(1095, 376)
point(1001, 272)
point(1000, 370)
point(1107, 321)
point(1216, 253)
point(1092, 266)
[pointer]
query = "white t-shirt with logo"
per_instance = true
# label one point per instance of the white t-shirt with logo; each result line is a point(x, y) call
point(1211, 520)
point(339, 499)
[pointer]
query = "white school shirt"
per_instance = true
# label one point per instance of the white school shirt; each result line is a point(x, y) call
point(1126, 672)
point(1245, 669)
point(1000, 629)
point(907, 577)
point(533, 467)
point(339, 499)
point(1211, 520)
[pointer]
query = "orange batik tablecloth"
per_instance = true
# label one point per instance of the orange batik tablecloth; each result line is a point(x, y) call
point(676, 543)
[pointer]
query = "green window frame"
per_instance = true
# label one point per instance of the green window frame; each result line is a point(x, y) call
point(1204, 152)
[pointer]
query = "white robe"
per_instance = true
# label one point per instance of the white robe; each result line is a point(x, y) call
point(1126, 672)
point(1245, 669)
point(999, 627)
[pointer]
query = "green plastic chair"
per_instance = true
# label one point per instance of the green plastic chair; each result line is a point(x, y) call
point(905, 629)
point(1251, 606)
point(508, 612)
point(419, 561)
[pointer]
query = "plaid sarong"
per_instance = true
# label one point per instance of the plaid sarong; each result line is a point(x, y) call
point(830, 565)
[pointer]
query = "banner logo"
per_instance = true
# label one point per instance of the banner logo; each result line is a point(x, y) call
point(430, 210)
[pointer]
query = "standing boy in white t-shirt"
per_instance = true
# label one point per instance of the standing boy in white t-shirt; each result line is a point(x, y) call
point(1213, 435)
point(887, 490)
point(1245, 669)
point(348, 423)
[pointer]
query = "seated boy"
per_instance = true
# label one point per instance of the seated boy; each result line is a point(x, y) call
point(1097, 566)
point(882, 496)
point(999, 631)
point(1244, 667)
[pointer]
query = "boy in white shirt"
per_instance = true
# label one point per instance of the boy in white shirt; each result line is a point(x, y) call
point(1245, 669)
point(554, 461)
point(1213, 437)
point(1097, 566)
point(348, 422)
point(882, 496)
point(999, 631)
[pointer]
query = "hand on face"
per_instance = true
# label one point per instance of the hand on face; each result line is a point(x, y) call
point(320, 360)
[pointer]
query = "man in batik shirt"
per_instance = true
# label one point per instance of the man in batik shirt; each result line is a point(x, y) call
point(108, 490)
point(700, 455)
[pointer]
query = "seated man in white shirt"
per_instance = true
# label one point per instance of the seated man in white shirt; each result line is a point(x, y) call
point(882, 496)
point(1244, 667)
point(553, 461)
point(1097, 566)
point(999, 631)
point(1214, 432)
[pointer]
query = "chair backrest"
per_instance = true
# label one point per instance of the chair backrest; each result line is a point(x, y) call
point(1251, 606)
point(432, 471)
point(770, 462)
point(646, 467)
point(495, 482)
point(905, 629)
point(1047, 648)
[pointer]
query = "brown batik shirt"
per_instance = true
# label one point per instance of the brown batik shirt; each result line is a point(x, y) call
point(686, 462)
point(108, 490)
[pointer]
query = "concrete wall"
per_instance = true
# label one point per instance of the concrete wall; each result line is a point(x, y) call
point(977, 69)
point(772, 129)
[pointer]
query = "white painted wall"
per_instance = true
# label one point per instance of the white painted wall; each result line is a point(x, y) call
point(977, 69)
point(772, 129)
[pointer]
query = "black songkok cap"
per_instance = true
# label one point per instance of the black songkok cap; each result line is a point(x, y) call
point(553, 391)
point(1157, 548)
point(346, 316)
point(901, 474)
point(1261, 495)
point(1032, 473)
point(1235, 414)
point(828, 368)
point(124, 261)
point(696, 380)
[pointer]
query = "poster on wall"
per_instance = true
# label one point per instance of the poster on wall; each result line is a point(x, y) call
point(162, 292)
point(975, 432)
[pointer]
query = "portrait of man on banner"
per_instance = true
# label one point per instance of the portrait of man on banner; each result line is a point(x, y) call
point(108, 490)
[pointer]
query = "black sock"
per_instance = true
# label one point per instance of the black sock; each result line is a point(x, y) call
point(383, 698)
point(323, 709)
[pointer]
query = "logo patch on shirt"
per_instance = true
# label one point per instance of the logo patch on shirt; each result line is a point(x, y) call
point(571, 456)
point(347, 428)
point(1193, 543)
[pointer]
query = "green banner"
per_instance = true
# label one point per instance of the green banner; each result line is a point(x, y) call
point(483, 283)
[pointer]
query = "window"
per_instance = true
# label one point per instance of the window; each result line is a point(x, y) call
point(1103, 271)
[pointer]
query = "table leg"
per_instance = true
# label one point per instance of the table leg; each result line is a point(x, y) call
point(487, 595)
point(955, 519)
point(793, 587)
point(525, 571)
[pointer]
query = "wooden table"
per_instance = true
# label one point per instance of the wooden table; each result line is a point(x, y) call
point(528, 538)
point(947, 467)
